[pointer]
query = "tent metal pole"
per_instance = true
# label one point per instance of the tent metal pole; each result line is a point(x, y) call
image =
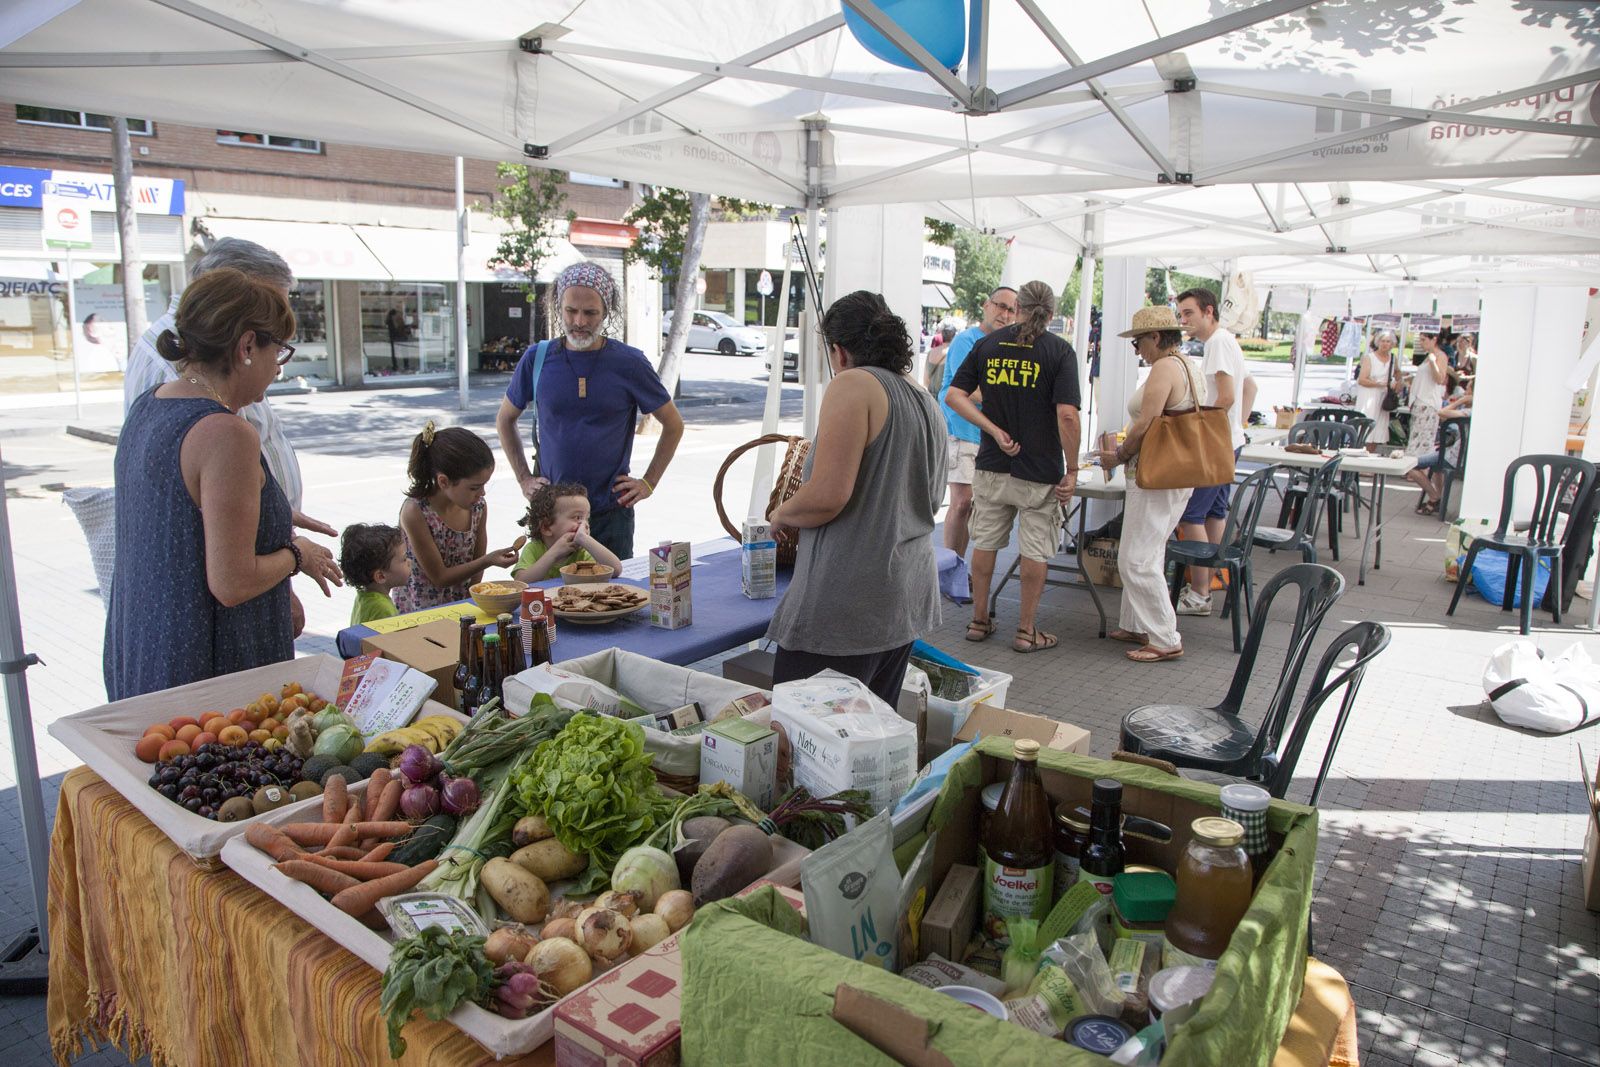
point(14, 662)
point(810, 357)
point(462, 367)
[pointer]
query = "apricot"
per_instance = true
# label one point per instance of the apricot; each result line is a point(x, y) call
point(181, 721)
point(281, 733)
point(149, 747)
point(189, 733)
point(206, 738)
point(210, 717)
point(233, 736)
point(268, 702)
point(161, 730)
point(259, 735)
point(270, 724)
point(236, 716)
point(317, 704)
point(172, 750)
point(291, 688)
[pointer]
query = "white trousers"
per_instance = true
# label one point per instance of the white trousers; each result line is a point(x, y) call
point(1148, 519)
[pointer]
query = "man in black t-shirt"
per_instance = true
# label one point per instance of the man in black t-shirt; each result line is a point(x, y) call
point(1028, 379)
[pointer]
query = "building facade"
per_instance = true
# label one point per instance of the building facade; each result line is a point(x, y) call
point(370, 234)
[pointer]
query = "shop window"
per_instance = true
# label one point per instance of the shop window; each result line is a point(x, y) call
point(719, 291)
point(312, 361)
point(407, 328)
point(269, 140)
point(33, 115)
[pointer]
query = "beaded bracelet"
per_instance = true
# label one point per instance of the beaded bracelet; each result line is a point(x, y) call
point(299, 560)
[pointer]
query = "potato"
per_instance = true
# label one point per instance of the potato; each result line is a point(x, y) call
point(531, 828)
point(698, 834)
point(735, 859)
point(521, 895)
point(550, 860)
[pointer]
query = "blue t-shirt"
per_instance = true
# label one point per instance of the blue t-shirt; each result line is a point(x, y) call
point(960, 345)
point(588, 439)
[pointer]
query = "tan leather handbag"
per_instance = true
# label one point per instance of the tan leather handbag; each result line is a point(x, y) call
point(1187, 449)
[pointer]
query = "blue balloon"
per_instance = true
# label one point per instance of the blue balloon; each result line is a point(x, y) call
point(940, 26)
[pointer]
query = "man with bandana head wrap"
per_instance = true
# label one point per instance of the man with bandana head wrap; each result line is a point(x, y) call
point(590, 393)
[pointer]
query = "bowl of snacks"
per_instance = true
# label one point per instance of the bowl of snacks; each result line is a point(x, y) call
point(498, 598)
point(584, 572)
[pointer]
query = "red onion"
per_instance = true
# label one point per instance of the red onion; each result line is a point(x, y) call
point(459, 796)
point(420, 802)
point(419, 765)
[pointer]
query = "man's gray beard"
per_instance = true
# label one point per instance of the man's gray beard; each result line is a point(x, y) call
point(584, 342)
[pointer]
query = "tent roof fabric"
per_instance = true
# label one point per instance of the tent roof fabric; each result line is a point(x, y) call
point(1398, 141)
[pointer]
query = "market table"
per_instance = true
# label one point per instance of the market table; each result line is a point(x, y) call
point(723, 616)
point(198, 968)
point(1377, 467)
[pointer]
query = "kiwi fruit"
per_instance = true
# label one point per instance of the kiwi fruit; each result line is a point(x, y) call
point(304, 790)
point(235, 808)
point(269, 797)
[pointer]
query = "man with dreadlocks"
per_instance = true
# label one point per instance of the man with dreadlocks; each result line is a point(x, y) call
point(589, 393)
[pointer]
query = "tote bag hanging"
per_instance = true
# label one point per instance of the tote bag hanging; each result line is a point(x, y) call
point(1186, 449)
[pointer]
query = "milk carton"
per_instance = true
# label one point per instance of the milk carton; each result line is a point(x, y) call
point(758, 559)
point(669, 585)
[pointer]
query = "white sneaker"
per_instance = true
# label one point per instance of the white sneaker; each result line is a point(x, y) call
point(1191, 603)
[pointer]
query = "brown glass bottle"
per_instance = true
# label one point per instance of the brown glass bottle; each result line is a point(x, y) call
point(474, 683)
point(1214, 888)
point(1102, 857)
point(1018, 849)
point(463, 663)
point(491, 670)
point(538, 643)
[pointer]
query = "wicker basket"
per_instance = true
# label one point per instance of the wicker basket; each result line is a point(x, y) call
point(790, 474)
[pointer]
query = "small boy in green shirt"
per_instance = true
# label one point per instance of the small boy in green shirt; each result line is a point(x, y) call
point(558, 534)
point(373, 558)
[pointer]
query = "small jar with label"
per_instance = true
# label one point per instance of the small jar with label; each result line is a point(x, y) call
point(1071, 834)
point(1140, 902)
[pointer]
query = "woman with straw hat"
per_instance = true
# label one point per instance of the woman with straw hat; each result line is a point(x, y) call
point(1149, 515)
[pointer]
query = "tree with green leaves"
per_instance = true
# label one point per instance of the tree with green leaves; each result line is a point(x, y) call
point(980, 259)
point(1160, 283)
point(1074, 286)
point(939, 231)
point(529, 201)
point(671, 226)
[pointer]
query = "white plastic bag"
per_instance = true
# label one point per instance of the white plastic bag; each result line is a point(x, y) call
point(836, 734)
point(568, 690)
point(1551, 695)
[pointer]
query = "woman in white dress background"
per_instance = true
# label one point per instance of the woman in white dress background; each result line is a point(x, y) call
point(1374, 381)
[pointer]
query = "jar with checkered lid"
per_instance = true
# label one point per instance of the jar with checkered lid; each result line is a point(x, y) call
point(1247, 805)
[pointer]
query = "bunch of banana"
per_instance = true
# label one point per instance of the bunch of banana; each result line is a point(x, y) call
point(432, 733)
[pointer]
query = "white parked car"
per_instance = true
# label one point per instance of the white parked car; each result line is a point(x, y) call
point(712, 331)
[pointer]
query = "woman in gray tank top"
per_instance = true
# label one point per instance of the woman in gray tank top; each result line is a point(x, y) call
point(865, 585)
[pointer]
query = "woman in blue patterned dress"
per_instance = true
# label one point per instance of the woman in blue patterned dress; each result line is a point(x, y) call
point(204, 542)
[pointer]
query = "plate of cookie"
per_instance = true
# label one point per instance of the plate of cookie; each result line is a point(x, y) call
point(598, 602)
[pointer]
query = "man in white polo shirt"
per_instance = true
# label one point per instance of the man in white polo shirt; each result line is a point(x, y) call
point(1223, 366)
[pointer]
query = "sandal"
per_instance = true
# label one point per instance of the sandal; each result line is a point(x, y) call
point(1037, 641)
point(1148, 654)
point(980, 631)
point(1129, 636)
point(1428, 507)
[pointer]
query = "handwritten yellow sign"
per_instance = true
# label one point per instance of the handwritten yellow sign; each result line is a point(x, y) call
point(396, 623)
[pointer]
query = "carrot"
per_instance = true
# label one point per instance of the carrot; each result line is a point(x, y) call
point(273, 841)
point(362, 898)
point(346, 836)
point(388, 801)
point(318, 877)
point(342, 852)
point(377, 854)
point(335, 799)
point(361, 872)
point(383, 829)
point(377, 780)
point(310, 833)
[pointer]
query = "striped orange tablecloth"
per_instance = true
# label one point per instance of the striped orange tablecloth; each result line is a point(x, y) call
point(199, 968)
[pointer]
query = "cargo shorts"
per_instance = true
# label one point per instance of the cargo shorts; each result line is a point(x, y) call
point(998, 500)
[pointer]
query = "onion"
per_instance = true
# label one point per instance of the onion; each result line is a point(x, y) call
point(460, 796)
point(419, 765)
point(648, 931)
point(420, 802)
point(561, 964)
point(565, 927)
point(623, 902)
point(604, 934)
point(647, 872)
point(509, 944)
point(677, 907)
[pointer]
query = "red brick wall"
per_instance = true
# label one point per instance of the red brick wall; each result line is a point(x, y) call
point(338, 172)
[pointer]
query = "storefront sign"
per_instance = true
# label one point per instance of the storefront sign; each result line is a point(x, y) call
point(27, 187)
point(65, 222)
point(30, 287)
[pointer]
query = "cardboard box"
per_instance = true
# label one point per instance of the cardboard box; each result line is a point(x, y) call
point(1099, 561)
point(953, 915)
point(432, 648)
point(745, 755)
point(671, 599)
point(987, 720)
point(1591, 842)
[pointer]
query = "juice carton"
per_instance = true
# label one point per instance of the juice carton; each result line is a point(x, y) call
point(670, 599)
point(758, 559)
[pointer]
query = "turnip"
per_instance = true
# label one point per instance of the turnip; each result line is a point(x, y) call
point(647, 872)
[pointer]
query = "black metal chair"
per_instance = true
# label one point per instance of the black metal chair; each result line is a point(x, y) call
point(1561, 484)
point(1302, 535)
point(1363, 642)
point(1216, 738)
point(1232, 555)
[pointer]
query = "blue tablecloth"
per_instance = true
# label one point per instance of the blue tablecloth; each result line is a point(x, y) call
point(723, 617)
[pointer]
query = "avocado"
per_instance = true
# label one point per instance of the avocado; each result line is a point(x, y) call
point(351, 775)
point(368, 762)
point(315, 767)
